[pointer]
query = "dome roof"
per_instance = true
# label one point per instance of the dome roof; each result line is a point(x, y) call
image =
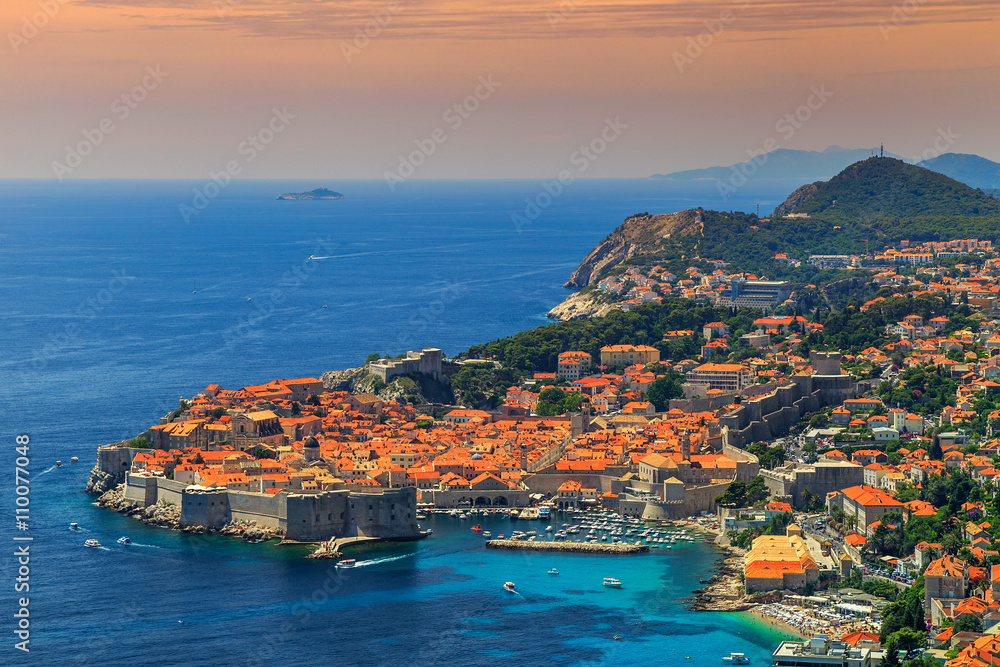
point(477, 457)
point(310, 442)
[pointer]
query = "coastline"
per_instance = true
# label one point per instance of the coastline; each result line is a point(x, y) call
point(754, 617)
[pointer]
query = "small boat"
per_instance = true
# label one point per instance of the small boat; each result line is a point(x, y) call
point(124, 540)
point(429, 531)
point(487, 533)
point(477, 528)
point(509, 587)
point(736, 659)
point(92, 543)
point(611, 582)
point(58, 463)
point(553, 571)
point(347, 562)
point(75, 459)
point(421, 516)
point(548, 529)
point(73, 526)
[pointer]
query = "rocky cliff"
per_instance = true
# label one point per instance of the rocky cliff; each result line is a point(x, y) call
point(638, 235)
point(580, 305)
point(102, 482)
point(797, 197)
point(418, 389)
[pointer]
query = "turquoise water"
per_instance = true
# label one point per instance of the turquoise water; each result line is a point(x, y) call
point(88, 359)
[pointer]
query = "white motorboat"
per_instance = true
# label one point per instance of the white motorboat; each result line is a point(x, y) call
point(611, 582)
point(509, 587)
point(92, 543)
point(346, 563)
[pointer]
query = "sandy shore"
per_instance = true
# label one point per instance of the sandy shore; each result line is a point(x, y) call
point(775, 623)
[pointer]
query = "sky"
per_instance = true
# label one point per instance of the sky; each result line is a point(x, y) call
point(359, 89)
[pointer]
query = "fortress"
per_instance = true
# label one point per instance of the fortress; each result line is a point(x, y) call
point(426, 361)
point(769, 415)
point(302, 516)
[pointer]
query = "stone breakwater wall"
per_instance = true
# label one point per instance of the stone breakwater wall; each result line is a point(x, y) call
point(168, 515)
point(578, 547)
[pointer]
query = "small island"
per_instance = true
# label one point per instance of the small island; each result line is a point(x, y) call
point(318, 193)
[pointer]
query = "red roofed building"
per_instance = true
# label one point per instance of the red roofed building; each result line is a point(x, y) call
point(864, 502)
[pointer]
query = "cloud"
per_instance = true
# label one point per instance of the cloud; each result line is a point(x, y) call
point(514, 19)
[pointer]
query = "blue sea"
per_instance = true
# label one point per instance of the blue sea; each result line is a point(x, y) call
point(113, 304)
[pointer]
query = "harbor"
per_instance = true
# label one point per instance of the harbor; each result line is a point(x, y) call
point(579, 547)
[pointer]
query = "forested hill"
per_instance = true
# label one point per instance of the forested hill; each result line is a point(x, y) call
point(888, 188)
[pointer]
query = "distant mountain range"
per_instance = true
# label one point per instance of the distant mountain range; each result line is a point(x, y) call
point(783, 164)
point(786, 164)
point(974, 171)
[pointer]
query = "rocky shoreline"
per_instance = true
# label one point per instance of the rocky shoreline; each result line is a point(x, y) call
point(724, 590)
point(168, 515)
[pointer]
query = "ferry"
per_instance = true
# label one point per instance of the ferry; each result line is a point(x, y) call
point(544, 512)
point(736, 659)
point(124, 541)
point(92, 543)
point(347, 562)
point(611, 582)
point(509, 587)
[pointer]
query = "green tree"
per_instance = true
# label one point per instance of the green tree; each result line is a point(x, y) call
point(969, 623)
point(218, 412)
point(374, 356)
point(663, 389)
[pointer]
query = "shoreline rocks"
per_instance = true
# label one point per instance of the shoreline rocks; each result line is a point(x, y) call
point(101, 482)
point(724, 589)
point(168, 515)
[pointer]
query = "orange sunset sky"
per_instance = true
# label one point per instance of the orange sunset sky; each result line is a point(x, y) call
point(899, 73)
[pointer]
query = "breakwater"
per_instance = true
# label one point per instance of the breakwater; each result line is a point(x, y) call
point(579, 547)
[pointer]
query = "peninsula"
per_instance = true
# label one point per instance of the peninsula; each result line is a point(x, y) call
point(318, 193)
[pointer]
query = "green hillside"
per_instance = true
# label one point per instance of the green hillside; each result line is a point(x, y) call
point(889, 188)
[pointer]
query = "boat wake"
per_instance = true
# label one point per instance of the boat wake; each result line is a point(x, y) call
point(49, 469)
point(148, 546)
point(379, 561)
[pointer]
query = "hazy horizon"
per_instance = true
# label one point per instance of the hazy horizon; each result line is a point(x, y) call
point(177, 89)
